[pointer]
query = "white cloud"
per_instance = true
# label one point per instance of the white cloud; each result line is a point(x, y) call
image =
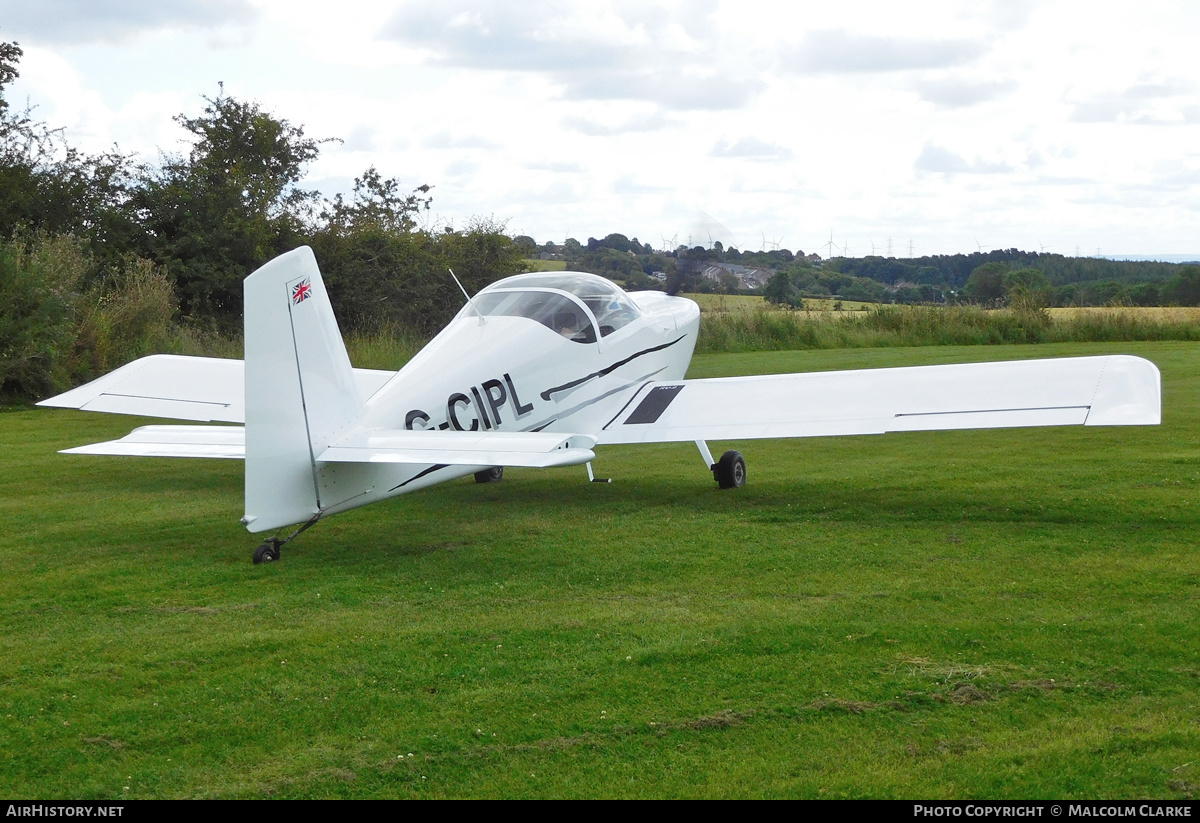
point(595, 51)
point(1171, 102)
point(943, 161)
point(117, 21)
point(556, 168)
point(447, 140)
point(750, 147)
point(956, 92)
point(840, 50)
point(650, 121)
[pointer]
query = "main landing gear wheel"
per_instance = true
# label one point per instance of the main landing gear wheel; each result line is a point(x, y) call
point(493, 475)
point(730, 470)
point(267, 553)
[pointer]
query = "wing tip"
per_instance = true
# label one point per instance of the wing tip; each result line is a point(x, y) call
point(1129, 393)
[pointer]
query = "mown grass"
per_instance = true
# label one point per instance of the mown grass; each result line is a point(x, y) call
point(939, 615)
point(545, 265)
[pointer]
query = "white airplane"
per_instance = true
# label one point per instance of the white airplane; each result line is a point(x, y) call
point(536, 370)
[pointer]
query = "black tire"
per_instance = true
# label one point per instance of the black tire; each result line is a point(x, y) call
point(266, 553)
point(493, 475)
point(730, 471)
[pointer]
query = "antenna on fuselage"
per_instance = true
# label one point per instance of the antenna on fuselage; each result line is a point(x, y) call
point(470, 302)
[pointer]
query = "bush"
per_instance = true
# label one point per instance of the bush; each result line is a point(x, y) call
point(55, 331)
point(39, 290)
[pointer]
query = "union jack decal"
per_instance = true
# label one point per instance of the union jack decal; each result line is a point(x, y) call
point(301, 291)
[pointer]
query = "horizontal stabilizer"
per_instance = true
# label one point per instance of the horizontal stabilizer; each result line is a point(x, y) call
point(207, 389)
point(227, 442)
point(1117, 390)
point(455, 448)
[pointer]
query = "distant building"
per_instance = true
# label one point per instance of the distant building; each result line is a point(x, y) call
point(747, 277)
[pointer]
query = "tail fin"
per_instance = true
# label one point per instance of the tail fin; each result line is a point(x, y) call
point(300, 389)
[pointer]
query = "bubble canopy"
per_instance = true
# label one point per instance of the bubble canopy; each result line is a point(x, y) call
point(576, 305)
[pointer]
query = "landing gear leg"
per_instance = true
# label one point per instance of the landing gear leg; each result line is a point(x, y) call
point(269, 551)
point(592, 478)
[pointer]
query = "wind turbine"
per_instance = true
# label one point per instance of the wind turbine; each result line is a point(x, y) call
point(829, 255)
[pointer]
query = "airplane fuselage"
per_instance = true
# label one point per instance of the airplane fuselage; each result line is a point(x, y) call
point(518, 373)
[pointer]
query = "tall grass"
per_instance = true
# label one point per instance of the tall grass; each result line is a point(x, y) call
point(130, 315)
point(388, 349)
point(927, 326)
point(60, 325)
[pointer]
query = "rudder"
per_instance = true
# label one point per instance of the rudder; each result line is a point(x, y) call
point(300, 389)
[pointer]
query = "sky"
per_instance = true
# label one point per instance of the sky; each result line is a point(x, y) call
point(854, 127)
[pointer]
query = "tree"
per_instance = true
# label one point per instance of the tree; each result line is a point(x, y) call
point(1102, 293)
point(379, 279)
point(781, 291)
point(1032, 279)
point(377, 204)
point(229, 206)
point(1027, 288)
point(10, 55)
point(526, 245)
point(48, 187)
point(1184, 288)
point(686, 276)
point(986, 284)
point(1145, 294)
point(617, 242)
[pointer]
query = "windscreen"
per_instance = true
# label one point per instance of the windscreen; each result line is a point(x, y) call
point(556, 312)
point(611, 307)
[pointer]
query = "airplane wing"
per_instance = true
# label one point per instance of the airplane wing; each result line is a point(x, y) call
point(1094, 391)
point(228, 442)
point(533, 449)
point(208, 389)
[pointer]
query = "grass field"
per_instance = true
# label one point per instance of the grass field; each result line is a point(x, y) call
point(545, 265)
point(732, 303)
point(735, 303)
point(937, 615)
point(1156, 314)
